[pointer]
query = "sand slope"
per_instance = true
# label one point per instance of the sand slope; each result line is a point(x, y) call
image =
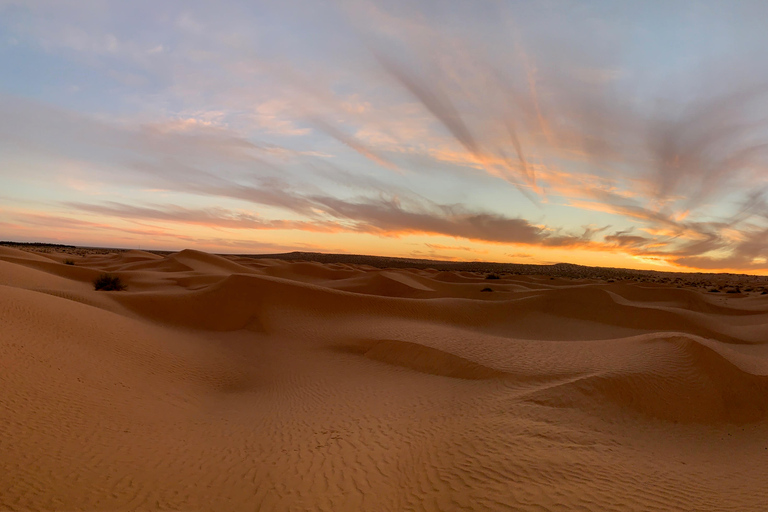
point(218, 383)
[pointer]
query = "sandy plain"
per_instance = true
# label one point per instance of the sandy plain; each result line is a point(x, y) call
point(234, 383)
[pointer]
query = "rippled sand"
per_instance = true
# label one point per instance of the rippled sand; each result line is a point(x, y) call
point(234, 383)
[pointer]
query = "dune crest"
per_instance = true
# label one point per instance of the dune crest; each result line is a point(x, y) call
point(675, 378)
point(424, 359)
point(232, 383)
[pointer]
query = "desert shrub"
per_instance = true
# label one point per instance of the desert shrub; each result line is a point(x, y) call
point(492, 276)
point(735, 289)
point(486, 290)
point(69, 262)
point(714, 290)
point(108, 282)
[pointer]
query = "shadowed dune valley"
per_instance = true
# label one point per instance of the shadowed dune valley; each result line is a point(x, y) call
point(242, 383)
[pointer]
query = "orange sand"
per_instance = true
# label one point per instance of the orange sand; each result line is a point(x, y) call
point(219, 383)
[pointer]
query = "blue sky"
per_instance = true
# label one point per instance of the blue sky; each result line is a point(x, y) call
point(610, 133)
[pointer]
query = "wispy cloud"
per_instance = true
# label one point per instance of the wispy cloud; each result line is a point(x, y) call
point(500, 124)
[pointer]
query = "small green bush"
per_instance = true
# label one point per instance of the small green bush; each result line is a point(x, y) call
point(108, 282)
point(69, 262)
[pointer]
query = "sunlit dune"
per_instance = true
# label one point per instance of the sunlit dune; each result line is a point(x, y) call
point(240, 383)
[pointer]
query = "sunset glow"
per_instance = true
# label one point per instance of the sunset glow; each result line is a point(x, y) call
point(626, 134)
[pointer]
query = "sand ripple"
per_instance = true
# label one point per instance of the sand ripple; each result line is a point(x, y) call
point(229, 383)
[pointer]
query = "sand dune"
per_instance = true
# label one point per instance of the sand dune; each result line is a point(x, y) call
point(229, 383)
point(385, 283)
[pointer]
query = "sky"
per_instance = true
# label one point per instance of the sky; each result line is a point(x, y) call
point(610, 133)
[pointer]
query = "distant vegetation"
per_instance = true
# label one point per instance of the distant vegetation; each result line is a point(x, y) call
point(69, 262)
point(35, 244)
point(108, 282)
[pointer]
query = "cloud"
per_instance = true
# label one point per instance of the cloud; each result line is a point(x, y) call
point(382, 217)
point(350, 141)
point(210, 217)
point(440, 247)
point(383, 209)
point(433, 100)
point(689, 151)
point(246, 123)
point(622, 239)
point(710, 145)
point(74, 230)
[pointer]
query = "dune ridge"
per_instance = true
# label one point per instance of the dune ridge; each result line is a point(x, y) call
point(226, 382)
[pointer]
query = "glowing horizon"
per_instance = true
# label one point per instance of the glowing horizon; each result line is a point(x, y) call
point(596, 133)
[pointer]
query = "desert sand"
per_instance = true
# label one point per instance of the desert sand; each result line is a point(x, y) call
point(233, 383)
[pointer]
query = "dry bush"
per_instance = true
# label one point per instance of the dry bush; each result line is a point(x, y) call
point(108, 282)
